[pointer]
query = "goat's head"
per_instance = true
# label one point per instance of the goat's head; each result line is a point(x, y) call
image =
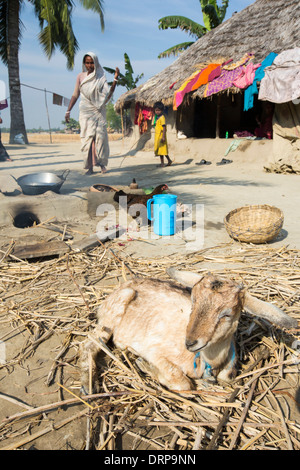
point(216, 308)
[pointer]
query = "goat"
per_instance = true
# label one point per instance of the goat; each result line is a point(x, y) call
point(183, 331)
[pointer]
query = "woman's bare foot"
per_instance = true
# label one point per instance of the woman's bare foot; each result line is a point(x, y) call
point(103, 169)
point(90, 171)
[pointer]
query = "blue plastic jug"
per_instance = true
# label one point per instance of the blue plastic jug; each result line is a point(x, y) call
point(164, 213)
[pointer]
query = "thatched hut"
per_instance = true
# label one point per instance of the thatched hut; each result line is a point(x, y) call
point(264, 27)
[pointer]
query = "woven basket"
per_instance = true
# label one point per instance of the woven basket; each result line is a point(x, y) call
point(254, 224)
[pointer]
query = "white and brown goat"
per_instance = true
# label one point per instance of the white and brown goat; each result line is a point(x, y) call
point(183, 333)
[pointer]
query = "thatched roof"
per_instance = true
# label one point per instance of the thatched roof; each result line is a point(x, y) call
point(263, 27)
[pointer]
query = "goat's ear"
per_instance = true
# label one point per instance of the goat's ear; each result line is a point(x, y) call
point(268, 311)
point(186, 278)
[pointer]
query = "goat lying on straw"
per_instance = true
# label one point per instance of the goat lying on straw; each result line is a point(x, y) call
point(183, 331)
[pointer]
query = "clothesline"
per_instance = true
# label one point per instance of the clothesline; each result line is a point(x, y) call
point(57, 99)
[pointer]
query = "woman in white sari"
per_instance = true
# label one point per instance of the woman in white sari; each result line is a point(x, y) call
point(92, 87)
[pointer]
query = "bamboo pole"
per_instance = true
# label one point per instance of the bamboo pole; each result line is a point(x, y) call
point(48, 117)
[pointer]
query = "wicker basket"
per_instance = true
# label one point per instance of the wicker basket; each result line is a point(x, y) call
point(254, 224)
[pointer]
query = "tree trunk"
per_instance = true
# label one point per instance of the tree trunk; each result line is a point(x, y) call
point(17, 124)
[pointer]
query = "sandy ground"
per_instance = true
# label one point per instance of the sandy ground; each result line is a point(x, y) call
point(218, 189)
point(214, 190)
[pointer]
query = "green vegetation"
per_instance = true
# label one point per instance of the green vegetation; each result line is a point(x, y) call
point(213, 16)
point(72, 125)
point(128, 81)
point(113, 119)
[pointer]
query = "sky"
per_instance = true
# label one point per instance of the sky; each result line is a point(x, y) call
point(131, 26)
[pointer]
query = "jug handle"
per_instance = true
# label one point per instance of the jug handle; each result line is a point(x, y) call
point(149, 208)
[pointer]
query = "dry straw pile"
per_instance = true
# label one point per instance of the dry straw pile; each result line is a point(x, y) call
point(56, 299)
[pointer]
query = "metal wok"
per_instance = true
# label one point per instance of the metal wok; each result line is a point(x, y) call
point(39, 183)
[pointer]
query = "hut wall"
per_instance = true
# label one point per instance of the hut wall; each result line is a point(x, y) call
point(205, 118)
point(146, 141)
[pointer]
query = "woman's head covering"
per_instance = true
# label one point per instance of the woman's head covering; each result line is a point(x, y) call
point(99, 72)
point(94, 87)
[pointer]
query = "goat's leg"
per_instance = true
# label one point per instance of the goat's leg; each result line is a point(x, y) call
point(228, 372)
point(88, 355)
point(170, 375)
point(227, 375)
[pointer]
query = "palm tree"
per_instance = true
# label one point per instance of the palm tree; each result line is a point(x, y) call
point(213, 16)
point(55, 21)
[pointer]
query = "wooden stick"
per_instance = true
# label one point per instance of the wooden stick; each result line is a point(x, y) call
point(16, 402)
point(38, 434)
point(72, 401)
point(76, 284)
point(255, 438)
point(79, 398)
point(9, 249)
point(244, 414)
point(285, 428)
point(232, 397)
point(263, 369)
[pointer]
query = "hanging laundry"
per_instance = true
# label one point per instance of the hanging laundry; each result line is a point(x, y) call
point(197, 79)
point(66, 102)
point(247, 75)
point(185, 88)
point(259, 74)
point(281, 82)
point(223, 82)
point(242, 61)
point(143, 114)
point(57, 99)
point(228, 75)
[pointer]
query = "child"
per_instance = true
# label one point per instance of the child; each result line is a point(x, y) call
point(160, 137)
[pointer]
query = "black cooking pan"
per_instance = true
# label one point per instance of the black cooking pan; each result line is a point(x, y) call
point(39, 183)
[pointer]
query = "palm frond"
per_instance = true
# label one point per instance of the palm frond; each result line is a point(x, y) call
point(55, 20)
point(213, 14)
point(175, 50)
point(97, 6)
point(127, 80)
point(110, 70)
point(3, 32)
point(183, 23)
point(67, 43)
point(121, 80)
point(223, 10)
point(210, 13)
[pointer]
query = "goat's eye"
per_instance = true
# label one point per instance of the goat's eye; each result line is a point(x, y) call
point(226, 313)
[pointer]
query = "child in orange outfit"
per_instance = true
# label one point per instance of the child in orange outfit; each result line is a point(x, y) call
point(160, 137)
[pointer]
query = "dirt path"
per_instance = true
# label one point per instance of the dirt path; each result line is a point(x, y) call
point(48, 307)
point(217, 189)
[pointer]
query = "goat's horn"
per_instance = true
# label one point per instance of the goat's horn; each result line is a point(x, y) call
point(269, 312)
point(185, 278)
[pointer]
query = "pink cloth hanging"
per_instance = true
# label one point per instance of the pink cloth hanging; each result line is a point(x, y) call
point(246, 77)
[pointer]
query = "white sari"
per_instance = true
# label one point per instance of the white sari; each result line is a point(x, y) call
point(94, 93)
